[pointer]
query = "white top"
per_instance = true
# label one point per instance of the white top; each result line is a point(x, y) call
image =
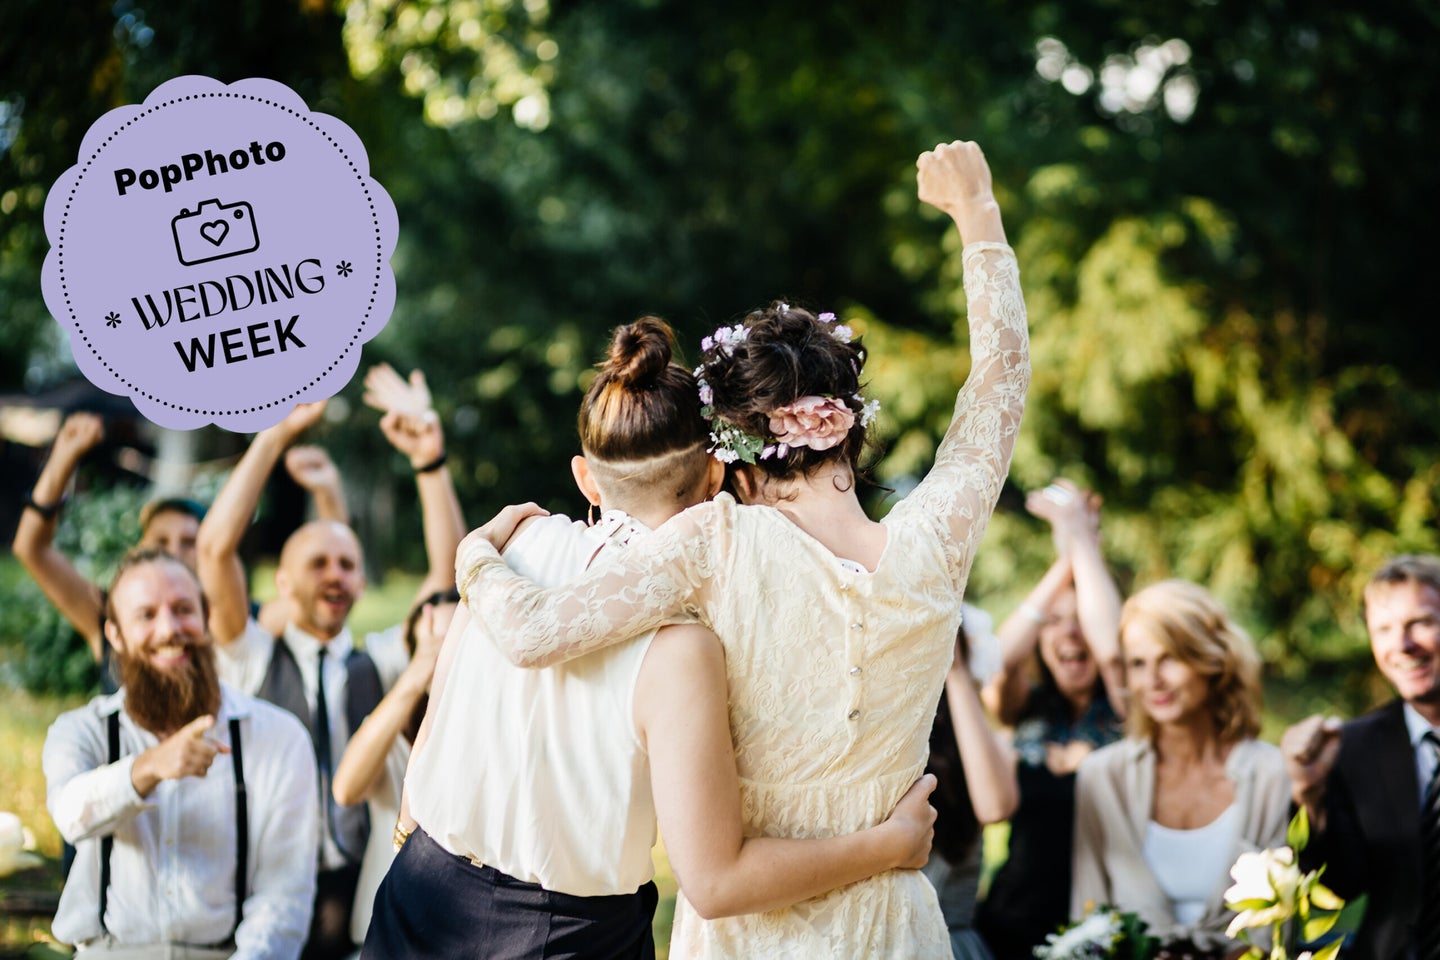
point(1186, 862)
point(541, 773)
point(172, 868)
point(243, 665)
point(834, 673)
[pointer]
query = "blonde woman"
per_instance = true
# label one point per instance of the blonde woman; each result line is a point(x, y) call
point(1161, 815)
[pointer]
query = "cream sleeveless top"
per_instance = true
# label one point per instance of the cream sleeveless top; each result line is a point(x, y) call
point(541, 773)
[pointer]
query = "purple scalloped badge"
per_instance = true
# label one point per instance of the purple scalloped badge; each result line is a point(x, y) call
point(219, 253)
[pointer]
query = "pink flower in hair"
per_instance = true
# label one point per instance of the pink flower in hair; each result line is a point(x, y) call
point(815, 422)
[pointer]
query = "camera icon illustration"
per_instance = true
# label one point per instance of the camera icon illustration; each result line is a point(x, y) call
point(213, 231)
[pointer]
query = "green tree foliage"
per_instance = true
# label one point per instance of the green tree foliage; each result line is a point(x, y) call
point(96, 529)
point(1216, 206)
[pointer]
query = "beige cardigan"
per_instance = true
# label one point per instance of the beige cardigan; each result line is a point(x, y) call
point(1114, 796)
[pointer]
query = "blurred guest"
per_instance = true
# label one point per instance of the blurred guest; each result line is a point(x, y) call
point(1067, 628)
point(1162, 815)
point(314, 668)
point(191, 805)
point(170, 524)
point(1372, 787)
point(975, 775)
point(373, 766)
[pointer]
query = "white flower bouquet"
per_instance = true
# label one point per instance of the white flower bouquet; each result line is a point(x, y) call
point(1104, 932)
point(1270, 891)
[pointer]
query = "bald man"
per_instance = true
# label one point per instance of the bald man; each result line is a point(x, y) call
point(313, 667)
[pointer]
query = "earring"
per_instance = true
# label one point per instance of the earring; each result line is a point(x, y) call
point(590, 516)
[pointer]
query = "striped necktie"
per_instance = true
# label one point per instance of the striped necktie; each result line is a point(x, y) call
point(1427, 931)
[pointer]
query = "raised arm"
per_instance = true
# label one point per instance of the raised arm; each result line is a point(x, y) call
point(413, 428)
point(989, 764)
point(1074, 518)
point(364, 759)
point(1005, 694)
point(77, 599)
point(680, 708)
point(313, 471)
point(974, 456)
point(222, 575)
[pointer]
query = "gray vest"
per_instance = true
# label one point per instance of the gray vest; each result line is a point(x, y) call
point(349, 826)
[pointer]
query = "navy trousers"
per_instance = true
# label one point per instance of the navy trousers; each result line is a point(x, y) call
point(435, 904)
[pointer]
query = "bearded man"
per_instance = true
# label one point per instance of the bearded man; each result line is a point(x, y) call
point(191, 805)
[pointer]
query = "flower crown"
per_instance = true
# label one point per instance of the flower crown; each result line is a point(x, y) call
point(815, 422)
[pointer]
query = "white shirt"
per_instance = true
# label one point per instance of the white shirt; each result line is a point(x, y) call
point(172, 869)
point(1186, 862)
point(541, 773)
point(245, 662)
point(1418, 726)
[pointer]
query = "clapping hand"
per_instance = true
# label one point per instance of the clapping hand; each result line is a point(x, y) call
point(387, 392)
point(1071, 512)
point(312, 468)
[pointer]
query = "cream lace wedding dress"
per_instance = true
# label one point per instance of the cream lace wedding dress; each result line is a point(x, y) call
point(834, 671)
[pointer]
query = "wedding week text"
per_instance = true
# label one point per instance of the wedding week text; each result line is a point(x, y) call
point(233, 294)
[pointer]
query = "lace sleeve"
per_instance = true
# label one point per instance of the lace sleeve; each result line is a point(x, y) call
point(974, 457)
point(668, 578)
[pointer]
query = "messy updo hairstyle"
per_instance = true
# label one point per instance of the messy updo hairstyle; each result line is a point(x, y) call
point(787, 353)
point(1195, 628)
point(640, 425)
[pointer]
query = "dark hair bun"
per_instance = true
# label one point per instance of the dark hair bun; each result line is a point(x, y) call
point(639, 353)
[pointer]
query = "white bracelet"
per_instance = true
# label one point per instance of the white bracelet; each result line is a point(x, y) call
point(1032, 613)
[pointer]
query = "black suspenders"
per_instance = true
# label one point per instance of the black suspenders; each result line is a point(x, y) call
point(242, 823)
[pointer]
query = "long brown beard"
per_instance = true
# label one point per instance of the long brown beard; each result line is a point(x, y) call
point(163, 701)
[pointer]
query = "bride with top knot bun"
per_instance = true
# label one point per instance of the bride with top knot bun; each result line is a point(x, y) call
point(837, 630)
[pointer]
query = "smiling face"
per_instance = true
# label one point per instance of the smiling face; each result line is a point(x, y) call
point(156, 625)
point(1404, 623)
point(1169, 690)
point(321, 577)
point(1064, 651)
point(173, 531)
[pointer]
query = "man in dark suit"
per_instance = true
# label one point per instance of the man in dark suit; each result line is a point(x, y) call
point(1367, 785)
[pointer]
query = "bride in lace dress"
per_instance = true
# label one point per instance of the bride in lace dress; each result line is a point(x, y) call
point(838, 630)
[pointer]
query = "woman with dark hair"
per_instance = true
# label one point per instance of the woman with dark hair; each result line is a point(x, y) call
point(975, 776)
point(1060, 687)
point(838, 630)
point(1162, 815)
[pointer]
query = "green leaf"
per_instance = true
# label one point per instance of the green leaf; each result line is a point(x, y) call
point(1319, 924)
point(1297, 835)
point(1324, 898)
point(1258, 903)
point(1327, 952)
